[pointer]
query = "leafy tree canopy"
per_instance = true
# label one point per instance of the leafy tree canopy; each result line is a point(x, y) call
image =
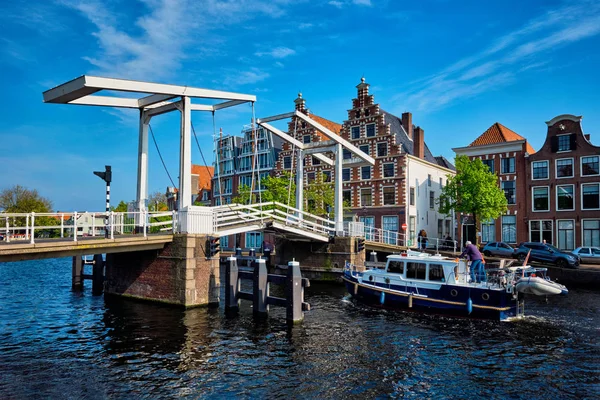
point(276, 189)
point(121, 207)
point(157, 201)
point(473, 190)
point(19, 199)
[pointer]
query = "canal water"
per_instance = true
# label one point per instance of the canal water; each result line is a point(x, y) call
point(59, 344)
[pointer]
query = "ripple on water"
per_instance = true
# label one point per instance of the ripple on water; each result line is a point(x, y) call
point(57, 344)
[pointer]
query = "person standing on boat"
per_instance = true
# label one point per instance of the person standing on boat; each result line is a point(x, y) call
point(474, 255)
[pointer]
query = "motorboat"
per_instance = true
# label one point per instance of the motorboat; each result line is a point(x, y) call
point(434, 283)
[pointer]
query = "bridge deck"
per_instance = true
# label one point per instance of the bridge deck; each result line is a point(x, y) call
point(53, 248)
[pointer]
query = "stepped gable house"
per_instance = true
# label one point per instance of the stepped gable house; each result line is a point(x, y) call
point(563, 187)
point(403, 184)
point(505, 153)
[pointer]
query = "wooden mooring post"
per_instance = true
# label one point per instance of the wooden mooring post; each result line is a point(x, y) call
point(261, 280)
point(79, 275)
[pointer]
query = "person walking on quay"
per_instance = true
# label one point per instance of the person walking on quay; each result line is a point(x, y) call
point(477, 262)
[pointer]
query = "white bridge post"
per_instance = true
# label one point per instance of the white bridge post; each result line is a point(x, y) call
point(338, 208)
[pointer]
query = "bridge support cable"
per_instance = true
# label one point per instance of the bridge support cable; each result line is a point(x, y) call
point(292, 158)
point(160, 155)
point(201, 154)
point(217, 165)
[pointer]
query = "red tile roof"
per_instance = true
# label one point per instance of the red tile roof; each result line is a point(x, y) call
point(498, 133)
point(205, 175)
point(332, 126)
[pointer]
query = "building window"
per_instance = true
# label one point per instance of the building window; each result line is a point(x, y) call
point(389, 196)
point(355, 132)
point(566, 235)
point(431, 199)
point(564, 168)
point(488, 231)
point(365, 198)
point(412, 229)
point(382, 149)
point(224, 242)
point(591, 232)
point(507, 165)
point(370, 130)
point(306, 139)
point(347, 154)
point(347, 197)
point(310, 177)
point(564, 142)
point(364, 148)
point(509, 188)
point(429, 180)
point(411, 196)
point(441, 183)
point(287, 162)
point(539, 170)
point(509, 228)
point(489, 164)
point(254, 240)
point(365, 172)
point(388, 170)
point(564, 198)
point(346, 174)
point(316, 161)
point(590, 165)
point(326, 176)
point(540, 231)
point(389, 224)
point(590, 196)
point(541, 199)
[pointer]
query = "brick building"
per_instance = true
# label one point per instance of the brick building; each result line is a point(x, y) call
point(505, 153)
point(201, 187)
point(563, 187)
point(403, 184)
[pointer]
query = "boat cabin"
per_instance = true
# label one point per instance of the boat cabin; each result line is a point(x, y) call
point(419, 269)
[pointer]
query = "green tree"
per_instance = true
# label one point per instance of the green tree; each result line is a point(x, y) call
point(276, 188)
point(19, 199)
point(320, 196)
point(473, 190)
point(121, 207)
point(157, 201)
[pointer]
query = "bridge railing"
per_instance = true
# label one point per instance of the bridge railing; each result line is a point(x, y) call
point(232, 215)
point(31, 226)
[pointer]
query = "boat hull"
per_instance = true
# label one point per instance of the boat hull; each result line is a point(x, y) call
point(456, 300)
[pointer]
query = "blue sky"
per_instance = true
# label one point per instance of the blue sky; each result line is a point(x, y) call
point(458, 66)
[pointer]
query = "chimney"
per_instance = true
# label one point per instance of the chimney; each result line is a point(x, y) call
point(419, 143)
point(407, 124)
point(300, 103)
point(363, 92)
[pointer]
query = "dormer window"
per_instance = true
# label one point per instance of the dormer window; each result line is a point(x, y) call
point(367, 112)
point(357, 113)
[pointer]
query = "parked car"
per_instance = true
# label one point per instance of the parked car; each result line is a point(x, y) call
point(588, 254)
point(546, 253)
point(498, 249)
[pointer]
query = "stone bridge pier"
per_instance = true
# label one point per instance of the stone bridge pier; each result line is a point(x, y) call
point(179, 274)
point(321, 261)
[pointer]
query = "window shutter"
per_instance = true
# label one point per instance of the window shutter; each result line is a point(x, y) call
point(554, 144)
point(573, 139)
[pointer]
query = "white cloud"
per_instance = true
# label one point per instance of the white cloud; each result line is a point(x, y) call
point(305, 26)
point(525, 49)
point(166, 33)
point(277, 52)
point(239, 78)
point(337, 4)
point(362, 2)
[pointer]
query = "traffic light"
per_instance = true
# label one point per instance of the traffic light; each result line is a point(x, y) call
point(214, 246)
point(106, 175)
point(360, 245)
